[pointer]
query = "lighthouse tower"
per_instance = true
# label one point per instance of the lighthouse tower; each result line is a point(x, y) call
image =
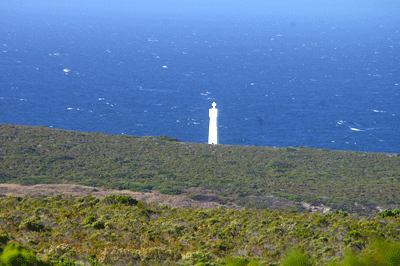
point(213, 128)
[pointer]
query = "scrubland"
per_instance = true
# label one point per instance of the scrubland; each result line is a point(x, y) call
point(259, 202)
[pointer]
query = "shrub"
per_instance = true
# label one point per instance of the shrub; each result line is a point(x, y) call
point(98, 225)
point(4, 239)
point(171, 191)
point(277, 166)
point(295, 258)
point(65, 262)
point(131, 186)
point(232, 261)
point(341, 213)
point(93, 260)
point(17, 255)
point(388, 213)
point(379, 253)
point(32, 225)
point(163, 137)
point(125, 200)
point(89, 220)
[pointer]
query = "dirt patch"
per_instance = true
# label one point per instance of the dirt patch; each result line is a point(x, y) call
point(322, 208)
point(49, 190)
point(195, 197)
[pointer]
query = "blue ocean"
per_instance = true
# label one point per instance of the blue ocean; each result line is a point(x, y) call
point(283, 83)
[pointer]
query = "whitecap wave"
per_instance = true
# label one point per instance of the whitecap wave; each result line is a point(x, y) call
point(355, 129)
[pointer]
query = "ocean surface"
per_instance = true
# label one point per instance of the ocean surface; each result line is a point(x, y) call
point(321, 84)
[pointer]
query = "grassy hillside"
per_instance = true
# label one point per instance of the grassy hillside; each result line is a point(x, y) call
point(261, 177)
point(118, 230)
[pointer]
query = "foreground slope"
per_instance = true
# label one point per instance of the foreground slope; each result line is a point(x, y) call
point(119, 230)
point(261, 177)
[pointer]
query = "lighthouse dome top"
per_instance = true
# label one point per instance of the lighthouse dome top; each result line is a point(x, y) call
point(214, 104)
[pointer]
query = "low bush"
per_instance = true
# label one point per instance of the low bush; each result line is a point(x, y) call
point(89, 220)
point(163, 137)
point(4, 239)
point(379, 253)
point(32, 224)
point(125, 200)
point(388, 213)
point(296, 258)
point(171, 191)
point(17, 255)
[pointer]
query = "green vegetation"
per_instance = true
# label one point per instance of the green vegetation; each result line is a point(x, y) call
point(260, 177)
point(120, 230)
point(378, 253)
point(17, 255)
point(126, 200)
point(87, 231)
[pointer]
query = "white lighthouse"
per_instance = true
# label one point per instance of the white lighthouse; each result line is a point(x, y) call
point(213, 128)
